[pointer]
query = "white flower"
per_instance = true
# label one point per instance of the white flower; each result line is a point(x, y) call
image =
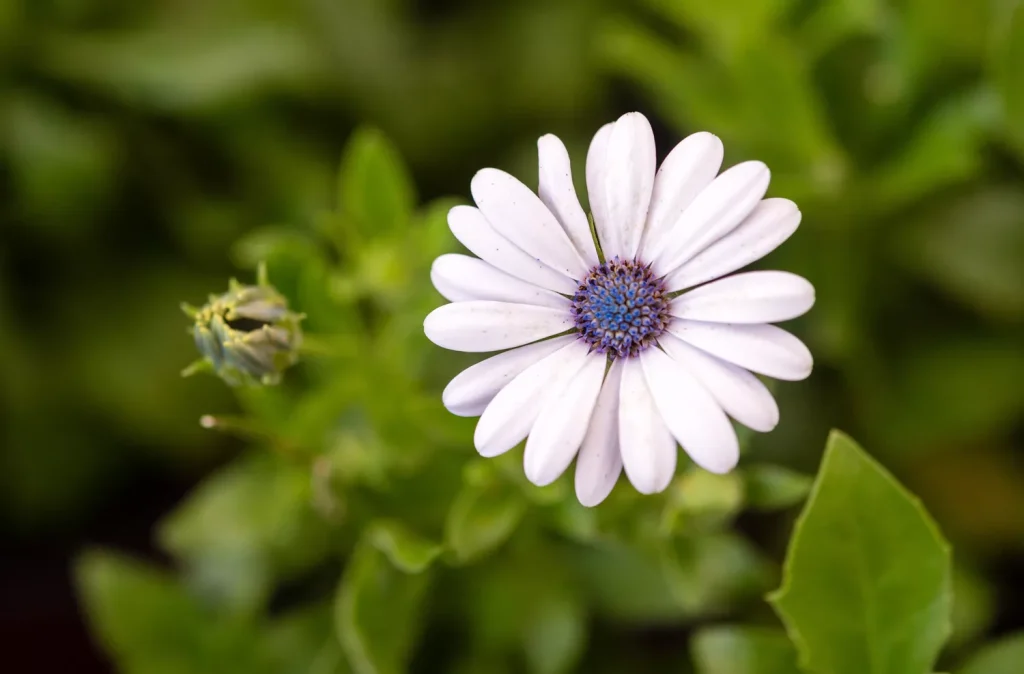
point(609, 360)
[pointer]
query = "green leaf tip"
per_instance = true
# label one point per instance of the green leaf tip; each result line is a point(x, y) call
point(406, 550)
point(867, 579)
point(376, 193)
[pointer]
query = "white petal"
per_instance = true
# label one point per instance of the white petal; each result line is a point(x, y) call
point(483, 325)
point(742, 395)
point(753, 297)
point(686, 171)
point(472, 389)
point(562, 424)
point(716, 211)
point(766, 349)
point(691, 414)
point(771, 222)
point(556, 190)
point(521, 217)
point(600, 462)
point(508, 418)
point(648, 448)
point(461, 278)
point(473, 231)
point(629, 180)
point(597, 169)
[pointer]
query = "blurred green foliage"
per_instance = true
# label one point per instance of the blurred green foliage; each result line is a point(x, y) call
point(143, 146)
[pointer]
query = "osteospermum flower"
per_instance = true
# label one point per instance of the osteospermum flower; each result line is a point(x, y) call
point(628, 339)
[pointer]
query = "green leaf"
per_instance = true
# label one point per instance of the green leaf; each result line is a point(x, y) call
point(730, 24)
point(244, 528)
point(555, 635)
point(375, 189)
point(303, 641)
point(1010, 76)
point(481, 518)
point(218, 65)
point(743, 650)
point(771, 487)
point(704, 500)
point(944, 149)
point(867, 583)
point(971, 248)
point(1003, 657)
point(377, 612)
point(150, 624)
point(408, 551)
point(974, 606)
point(714, 572)
point(626, 585)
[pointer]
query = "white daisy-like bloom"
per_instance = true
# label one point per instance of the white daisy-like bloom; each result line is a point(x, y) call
point(618, 345)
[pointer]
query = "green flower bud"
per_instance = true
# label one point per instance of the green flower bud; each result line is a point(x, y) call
point(247, 335)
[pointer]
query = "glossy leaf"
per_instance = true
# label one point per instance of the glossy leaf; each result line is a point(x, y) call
point(867, 580)
point(743, 650)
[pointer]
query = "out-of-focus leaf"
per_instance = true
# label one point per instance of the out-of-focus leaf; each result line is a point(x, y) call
point(627, 585)
point(972, 248)
point(481, 518)
point(945, 150)
point(890, 574)
point(771, 487)
point(781, 119)
point(377, 612)
point(556, 634)
point(714, 572)
point(927, 405)
point(152, 626)
point(743, 650)
point(702, 499)
point(687, 92)
point(375, 190)
point(247, 527)
point(830, 23)
point(304, 642)
point(938, 32)
point(1009, 71)
point(187, 70)
point(728, 25)
point(973, 606)
point(62, 164)
point(115, 365)
point(1002, 657)
point(408, 551)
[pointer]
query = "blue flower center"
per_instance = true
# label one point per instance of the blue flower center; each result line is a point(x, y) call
point(620, 308)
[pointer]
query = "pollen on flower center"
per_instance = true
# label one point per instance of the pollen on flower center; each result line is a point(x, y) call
point(620, 308)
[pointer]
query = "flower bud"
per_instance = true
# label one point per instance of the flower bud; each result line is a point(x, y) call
point(247, 335)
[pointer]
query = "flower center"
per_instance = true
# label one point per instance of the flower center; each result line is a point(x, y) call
point(620, 308)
